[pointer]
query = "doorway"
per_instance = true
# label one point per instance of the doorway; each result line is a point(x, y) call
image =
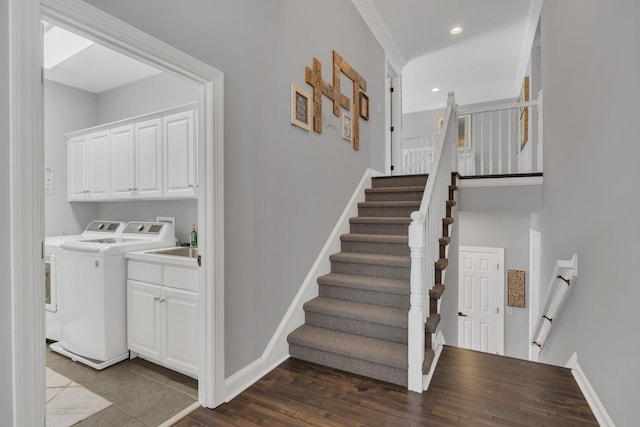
point(28, 182)
point(481, 299)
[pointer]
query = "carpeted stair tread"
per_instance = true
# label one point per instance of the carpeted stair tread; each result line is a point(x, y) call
point(437, 291)
point(363, 312)
point(390, 204)
point(432, 323)
point(394, 189)
point(373, 259)
point(375, 238)
point(401, 220)
point(376, 284)
point(399, 181)
point(353, 346)
point(429, 355)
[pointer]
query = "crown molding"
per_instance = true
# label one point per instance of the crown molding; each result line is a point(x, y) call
point(373, 20)
point(535, 8)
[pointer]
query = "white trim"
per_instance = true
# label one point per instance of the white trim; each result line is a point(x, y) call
point(535, 8)
point(535, 257)
point(501, 284)
point(26, 201)
point(277, 350)
point(375, 23)
point(439, 345)
point(26, 181)
point(180, 415)
point(500, 182)
point(596, 405)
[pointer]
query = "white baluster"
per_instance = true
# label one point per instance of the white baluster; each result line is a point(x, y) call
point(540, 132)
point(416, 310)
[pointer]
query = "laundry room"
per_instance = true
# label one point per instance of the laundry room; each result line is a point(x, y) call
point(119, 197)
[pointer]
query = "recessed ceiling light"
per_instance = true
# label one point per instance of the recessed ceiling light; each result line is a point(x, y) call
point(456, 30)
point(435, 89)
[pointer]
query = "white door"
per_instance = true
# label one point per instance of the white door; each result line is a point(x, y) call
point(481, 299)
point(148, 142)
point(180, 324)
point(143, 318)
point(122, 163)
point(180, 155)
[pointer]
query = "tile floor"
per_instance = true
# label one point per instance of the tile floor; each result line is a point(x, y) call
point(142, 393)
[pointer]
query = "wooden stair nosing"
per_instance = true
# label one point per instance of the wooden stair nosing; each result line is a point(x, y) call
point(441, 264)
point(437, 291)
point(432, 323)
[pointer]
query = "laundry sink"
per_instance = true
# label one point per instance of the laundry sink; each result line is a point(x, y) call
point(181, 252)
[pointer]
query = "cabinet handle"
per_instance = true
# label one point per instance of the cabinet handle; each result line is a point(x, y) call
point(162, 300)
point(156, 299)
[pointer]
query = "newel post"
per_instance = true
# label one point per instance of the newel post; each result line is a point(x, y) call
point(416, 312)
point(540, 132)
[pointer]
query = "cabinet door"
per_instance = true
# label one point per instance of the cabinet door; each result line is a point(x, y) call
point(98, 171)
point(180, 160)
point(181, 330)
point(143, 318)
point(122, 163)
point(77, 168)
point(148, 159)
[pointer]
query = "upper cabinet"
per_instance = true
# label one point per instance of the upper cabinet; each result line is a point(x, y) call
point(151, 157)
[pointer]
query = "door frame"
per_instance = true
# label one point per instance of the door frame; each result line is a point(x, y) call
point(499, 252)
point(27, 189)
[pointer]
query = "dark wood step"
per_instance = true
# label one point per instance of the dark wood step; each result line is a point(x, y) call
point(451, 203)
point(441, 264)
point(437, 291)
point(447, 220)
point(432, 323)
point(444, 241)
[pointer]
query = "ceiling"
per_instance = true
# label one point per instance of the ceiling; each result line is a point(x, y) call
point(485, 62)
point(94, 68)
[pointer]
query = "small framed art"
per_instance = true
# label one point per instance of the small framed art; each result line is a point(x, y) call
point(364, 106)
point(300, 108)
point(347, 127)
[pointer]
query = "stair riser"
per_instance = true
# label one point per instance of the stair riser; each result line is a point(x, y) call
point(371, 270)
point(408, 196)
point(359, 367)
point(357, 327)
point(401, 249)
point(365, 296)
point(390, 211)
point(399, 181)
point(384, 229)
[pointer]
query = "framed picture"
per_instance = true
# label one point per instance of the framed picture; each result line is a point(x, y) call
point(523, 119)
point(464, 131)
point(347, 127)
point(364, 106)
point(300, 108)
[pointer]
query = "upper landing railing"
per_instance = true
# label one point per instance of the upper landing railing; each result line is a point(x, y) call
point(497, 140)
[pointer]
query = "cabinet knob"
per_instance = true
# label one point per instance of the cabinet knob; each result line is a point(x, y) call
point(162, 300)
point(156, 299)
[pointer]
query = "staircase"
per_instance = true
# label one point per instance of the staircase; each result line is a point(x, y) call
point(358, 323)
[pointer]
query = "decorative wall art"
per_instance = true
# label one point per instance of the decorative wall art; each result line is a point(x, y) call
point(523, 122)
point(346, 127)
point(464, 131)
point(364, 106)
point(313, 76)
point(515, 288)
point(300, 108)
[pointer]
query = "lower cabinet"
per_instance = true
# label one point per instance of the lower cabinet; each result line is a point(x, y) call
point(162, 325)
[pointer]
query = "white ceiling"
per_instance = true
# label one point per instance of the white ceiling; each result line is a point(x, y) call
point(98, 69)
point(487, 61)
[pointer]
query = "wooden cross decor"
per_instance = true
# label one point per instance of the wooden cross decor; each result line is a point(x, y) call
point(332, 91)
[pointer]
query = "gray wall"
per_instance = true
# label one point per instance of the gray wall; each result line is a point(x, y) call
point(591, 64)
point(66, 109)
point(284, 187)
point(511, 232)
point(6, 363)
point(145, 96)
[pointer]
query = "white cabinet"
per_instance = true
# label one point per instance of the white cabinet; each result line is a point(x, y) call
point(151, 157)
point(180, 168)
point(88, 165)
point(162, 320)
point(148, 159)
point(122, 163)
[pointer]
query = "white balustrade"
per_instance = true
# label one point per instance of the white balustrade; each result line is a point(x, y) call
point(424, 233)
point(493, 142)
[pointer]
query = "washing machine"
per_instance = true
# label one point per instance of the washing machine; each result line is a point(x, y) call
point(95, 230)
point(93, 326)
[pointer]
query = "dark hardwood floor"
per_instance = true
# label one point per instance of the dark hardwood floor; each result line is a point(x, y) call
point(468, 389)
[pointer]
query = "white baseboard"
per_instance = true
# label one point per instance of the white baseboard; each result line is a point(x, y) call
point(277, 351)
point(180, 415)
point(590, 395)
point(439, 344)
